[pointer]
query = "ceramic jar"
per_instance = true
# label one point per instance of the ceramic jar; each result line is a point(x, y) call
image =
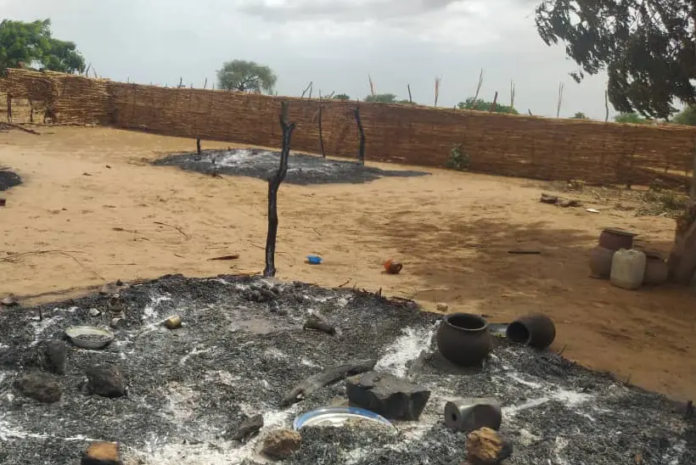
point(464, 339)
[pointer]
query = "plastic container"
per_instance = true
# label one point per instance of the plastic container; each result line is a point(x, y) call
point(628, 269)
point(314, 260)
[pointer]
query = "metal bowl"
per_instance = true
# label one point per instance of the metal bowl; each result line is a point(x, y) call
point(89, 337)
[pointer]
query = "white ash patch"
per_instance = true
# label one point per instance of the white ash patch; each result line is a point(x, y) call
point(404, 350)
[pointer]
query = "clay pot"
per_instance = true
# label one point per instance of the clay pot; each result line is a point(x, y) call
point(600, 262)
point(656, 270)
point(535, 330)
point(615, 239)
point(464, 339)
point(392, 266)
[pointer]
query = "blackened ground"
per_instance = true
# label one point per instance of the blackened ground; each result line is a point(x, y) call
point(8, 179)
point(302, 169)
point(235, 357)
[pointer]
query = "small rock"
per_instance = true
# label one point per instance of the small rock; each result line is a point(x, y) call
point(173, 322)
point(106, 381)
point(565, 203)
point(94, 312)
point(9, 301)
point(442, 307)
point(102, 453)
point(115, 305)
point(392, 397)
point(118, 323)
point(40, 387)
point(551, 199)
point(281, 444)
point(248, 428)
point(109, 289)
point(485, 446)
point(56, 356)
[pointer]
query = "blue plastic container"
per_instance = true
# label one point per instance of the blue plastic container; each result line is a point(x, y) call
point(314, 260)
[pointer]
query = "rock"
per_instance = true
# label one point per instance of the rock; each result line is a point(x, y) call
point(56, 353)
point(94, 312)
point(102, 453)
point(391, 397)
point(109, 289)
point(9, 301)
point(106, 381)
point(281, 444)
point(485, 446)
point(248, 428)
point(565, 203)
point(40, 387)
point(118, 323)
point(173, 322)
point(545, 198)
point(442, 307)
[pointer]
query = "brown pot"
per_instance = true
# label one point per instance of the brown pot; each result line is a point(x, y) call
point(615, 239)
point(656, 271)
point(600, 262)
point(464, 339)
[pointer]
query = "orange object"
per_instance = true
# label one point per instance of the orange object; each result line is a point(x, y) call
point(393, 267)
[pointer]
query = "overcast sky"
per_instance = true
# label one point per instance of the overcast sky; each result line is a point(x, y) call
point(335, 43)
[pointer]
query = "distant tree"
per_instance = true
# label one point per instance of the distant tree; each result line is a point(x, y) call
point(33, 45)
point(246, 76)
point(406, 102)
point(580, 115)
point(686, 117)
point(482, 105)
point(645, 46)
point(342, 97)
point(632, 117)
point(381, 98)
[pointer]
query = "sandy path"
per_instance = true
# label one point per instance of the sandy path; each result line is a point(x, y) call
point(452, 231)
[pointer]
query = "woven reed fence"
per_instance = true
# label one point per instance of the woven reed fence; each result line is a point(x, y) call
point(522, 146)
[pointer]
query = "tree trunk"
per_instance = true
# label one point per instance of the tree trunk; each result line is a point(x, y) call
point(682, 260)
point(273, 185)
point(693, 180)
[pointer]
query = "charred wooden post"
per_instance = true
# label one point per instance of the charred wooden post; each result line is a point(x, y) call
point(273, 185)
point(361, 152)
point(410, 98)
point(9, 108)
point(198, 145)
point(321, 132)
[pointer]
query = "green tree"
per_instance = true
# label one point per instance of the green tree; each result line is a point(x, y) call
point(482, 105)
point(630, 117)
point(646, 46)
point(381, 98)
point(686, 117)
point(342, 97)
point(246, 76)
point(580, 115)
point(32, 44)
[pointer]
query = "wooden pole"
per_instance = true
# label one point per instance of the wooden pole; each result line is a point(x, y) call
point(606, 106)
point(410, 99)
point(273, 185)
point(321, 134)
point(495, 101)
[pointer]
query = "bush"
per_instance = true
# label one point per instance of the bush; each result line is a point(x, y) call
point(458, 160)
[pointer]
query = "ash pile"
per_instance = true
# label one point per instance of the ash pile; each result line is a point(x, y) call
point(217, 387)
point(302, 169)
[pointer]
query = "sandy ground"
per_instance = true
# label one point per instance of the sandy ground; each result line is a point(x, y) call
point(93, 210)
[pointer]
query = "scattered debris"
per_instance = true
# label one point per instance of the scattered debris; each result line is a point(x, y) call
point(314, 260)
point(318, 322)
point(392, 266)
point(281, 444)
point(383, 393)
point(471, 414)
point(342, 416)
point(40, 387)
point(102, 453)
point(118, 323)
point(561, 202)
point(442, 307)
point(226, 257)
point(524, 252)
point(248, 428)
point(326, 377)
point(106, 381)
point(550, 199)
point(592, 210)
point(485, 446)
point(8, 179)
point(94, 312)
point(173, 322)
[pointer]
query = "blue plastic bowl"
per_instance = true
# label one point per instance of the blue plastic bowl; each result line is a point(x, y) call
point(314, 260)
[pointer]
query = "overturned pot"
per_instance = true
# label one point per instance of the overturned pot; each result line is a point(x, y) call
point(464, 339)
point(535, 330)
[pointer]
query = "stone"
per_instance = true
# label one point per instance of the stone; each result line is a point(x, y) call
point(392, 397)
point(40, 387)
point(281, 444)
point(173, 322)
point(118, 323)
point(102, 453)
point(9, 301)
point(442, 307)
point(106, 381)
point(56, 353)
point(94, 312)
point(248, 428)
point(486, 447)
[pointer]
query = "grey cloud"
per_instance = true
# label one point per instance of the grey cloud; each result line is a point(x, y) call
point(341, 10)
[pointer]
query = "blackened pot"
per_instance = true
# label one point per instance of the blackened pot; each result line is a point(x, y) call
point(464, 339)
point(535, 330)
point(616, 239)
